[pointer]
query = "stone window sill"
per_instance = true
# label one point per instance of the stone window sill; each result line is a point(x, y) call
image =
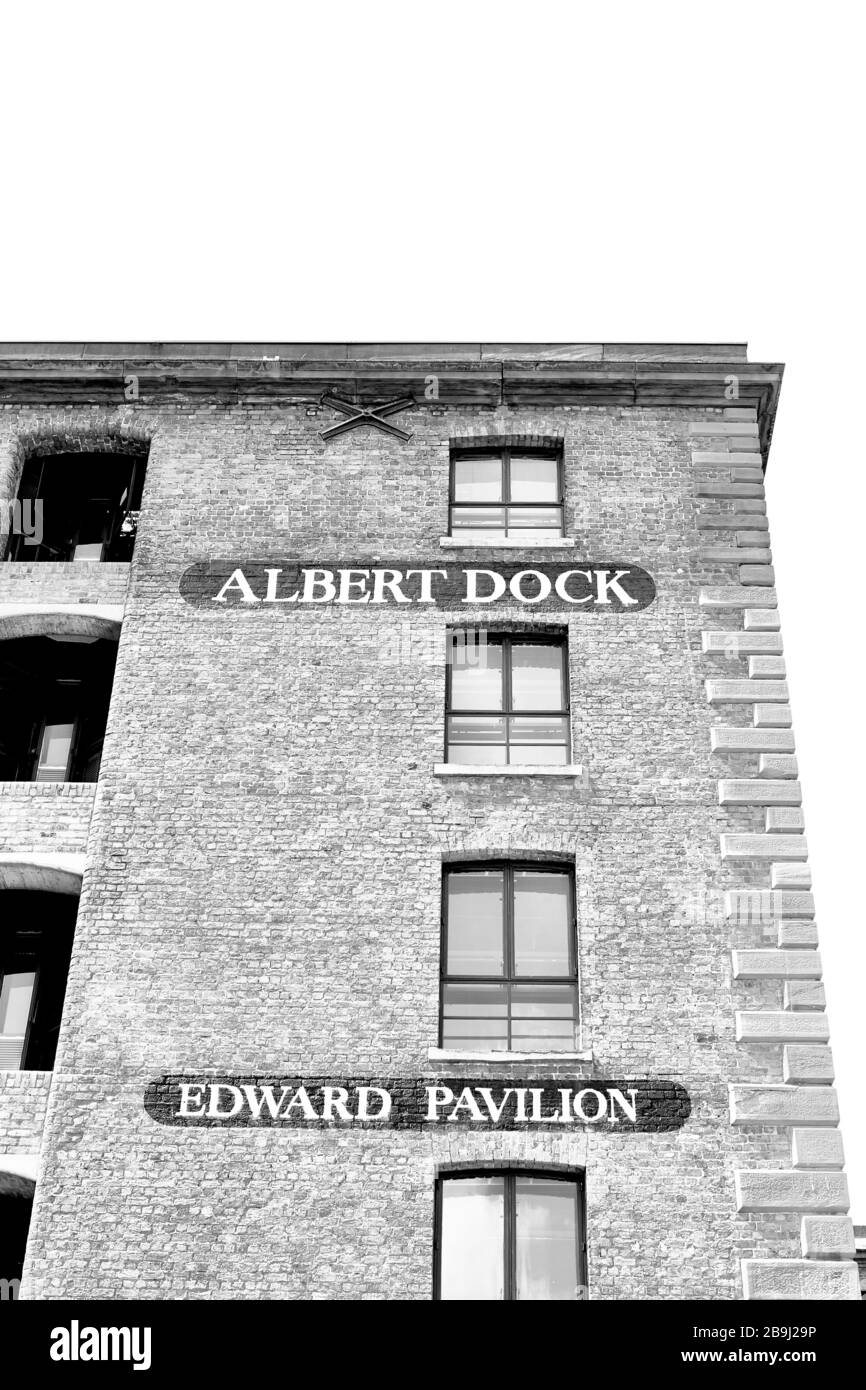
point(574, 771)
point(507, 543)
point(439, 1054)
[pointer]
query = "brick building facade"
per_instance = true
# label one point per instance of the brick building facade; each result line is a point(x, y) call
point(263, 851)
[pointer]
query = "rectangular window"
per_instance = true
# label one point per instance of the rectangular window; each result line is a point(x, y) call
point(509, 960)
point(509, 1236)
point(507, 700)
point(508, 493)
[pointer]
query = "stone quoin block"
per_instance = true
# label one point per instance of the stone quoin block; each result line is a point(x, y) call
point(760, 792)
point(767, 668)
point(777, 765)
point(727, 429)
point(729, 739)
point(803, 1065)
point(782, 1026)
point(745, 692)
point(753, 523)
point(772, 716)
point(762, 620)
point(738, 644)
point(770, 964)
point(734, 596)
point(791, 1190)
point(722, 490)
point(827, 1237)
point(817, 1148)
point(757, 574)
point(732, 555)
point(793, 876)
point(796, 932)
point(804, 994)
point(708, 458)
point(765, 1280)
point(764, 847)
point(785, 820)
point(755, 536)
point(764, 905)
point(783, 1105)
point(715, 458)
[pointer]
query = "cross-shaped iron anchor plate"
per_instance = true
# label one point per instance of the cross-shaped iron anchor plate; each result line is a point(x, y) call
point(361, 415)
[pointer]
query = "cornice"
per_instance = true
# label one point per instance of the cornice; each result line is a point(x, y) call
point(640, 375)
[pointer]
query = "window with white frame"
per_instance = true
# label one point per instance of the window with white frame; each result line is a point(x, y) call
point(507, 699)
point(506, 493)
point(510, 1235)
point(509, 959)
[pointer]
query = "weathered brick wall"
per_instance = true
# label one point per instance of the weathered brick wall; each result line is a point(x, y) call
point(23, 1102)
point(86, 582)
point(264, 883)
point(45, 817)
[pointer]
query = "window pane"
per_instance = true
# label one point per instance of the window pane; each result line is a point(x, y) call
point(475, 923)
point(476, 740)
point(539, 740)
point(476, 728)
point(54, 752)
point(477, 755)
point(546, 1239)
point(534, 479)
point(547, 520)
point(544, 1018)
point(475, 1018)
point(538, 728)
point(536, 676)
point(478, 522)
point(476, 675)
point(541, 924)
point(472, 1239)
point(478, 479)
point(15, 996)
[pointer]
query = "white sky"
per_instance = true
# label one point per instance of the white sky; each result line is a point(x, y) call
point(500, 171)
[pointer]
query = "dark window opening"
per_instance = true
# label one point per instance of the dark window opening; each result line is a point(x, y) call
point(512, 493)
point(510, 1235)
point(509, 959)
point(78, 507)
point(36, 932)
point(507, 699)
point(54, 698)
point(16, 1207)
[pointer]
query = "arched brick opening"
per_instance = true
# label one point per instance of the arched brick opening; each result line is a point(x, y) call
point(78, 622)
point(23, 483)
point(41, 873)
